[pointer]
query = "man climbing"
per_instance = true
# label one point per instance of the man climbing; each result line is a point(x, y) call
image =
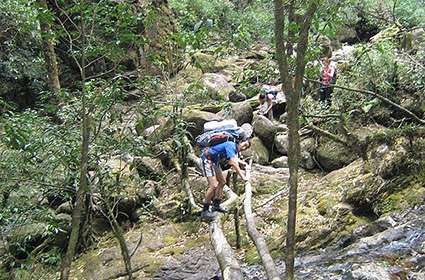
point(266, 105)
point(212, 159)
point(327, 80)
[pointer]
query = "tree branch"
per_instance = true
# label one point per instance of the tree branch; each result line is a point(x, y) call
point(406, 111)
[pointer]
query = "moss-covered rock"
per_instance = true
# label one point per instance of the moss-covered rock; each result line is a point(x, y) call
point(197, 119)
point(257, 151)
point(241, 112)
point(217, 86)
point(332, 156)
point(264, 129)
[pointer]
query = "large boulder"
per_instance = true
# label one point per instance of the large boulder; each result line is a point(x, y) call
point(307, 148)
point(257, 151)
point(280, 162)
point(203, 61)
point(236, 96)
point(264, 129)
point(281, 143)
point(332, 156)
point(217, 86)
point(149, 167)
point(307, 161)
point(241, 112)
point(197, 119)
point(64, 208)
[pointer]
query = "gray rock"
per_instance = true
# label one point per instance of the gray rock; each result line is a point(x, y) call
point(65, 208)
point(280, 162)
point(283, 117)
point(370, 271)
point(257, 151)
point(281, 128)
point(306, 161)
point(205, 62)
point(264, 129)
point(247, 129)
point(281, 143)
point(149, 168)
point(241, 112)
point(236, 96)
point(332, 156)
point(197, 119)
point(147, 192)
point(217, 86)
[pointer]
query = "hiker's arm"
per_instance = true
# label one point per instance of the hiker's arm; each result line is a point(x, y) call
point(234, 163)
point(270, 104)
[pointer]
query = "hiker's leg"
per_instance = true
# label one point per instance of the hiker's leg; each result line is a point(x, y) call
point(221, 178)
point(330, 95)
point(212, 189)
point(209, 172)
point(216, 205)
point(322, 95)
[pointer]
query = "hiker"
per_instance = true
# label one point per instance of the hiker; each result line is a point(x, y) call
point(327, 80)
point(266, 104)
point(212, 159)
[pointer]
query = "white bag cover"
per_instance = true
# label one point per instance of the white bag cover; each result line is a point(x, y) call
point(215, 125)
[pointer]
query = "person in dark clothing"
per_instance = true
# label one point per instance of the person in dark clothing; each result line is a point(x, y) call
point(327, 79)
point(212, 159)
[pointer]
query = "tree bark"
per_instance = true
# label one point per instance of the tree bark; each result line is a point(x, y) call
point(292, 89)
point(49, 52)
point(119, 235)
point(259, 241)
point(229, 265)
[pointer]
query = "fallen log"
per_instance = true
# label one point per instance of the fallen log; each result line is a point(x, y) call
point(229, 266)
point(253, 233)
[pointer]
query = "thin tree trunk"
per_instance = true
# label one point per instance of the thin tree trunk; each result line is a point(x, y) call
point(119, 235)
point(259, 241)
point(77, 212)
point(292, 89)
point(49, 52)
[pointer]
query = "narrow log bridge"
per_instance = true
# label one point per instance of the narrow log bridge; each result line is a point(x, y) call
point(229, 265)
point(253, 233)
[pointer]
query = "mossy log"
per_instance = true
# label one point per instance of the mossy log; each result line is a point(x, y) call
point(229, 266)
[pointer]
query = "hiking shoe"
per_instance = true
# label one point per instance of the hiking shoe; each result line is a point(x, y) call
point(207, 215)
point(216, 207)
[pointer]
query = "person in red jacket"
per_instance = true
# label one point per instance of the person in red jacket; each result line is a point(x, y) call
point(327, 80)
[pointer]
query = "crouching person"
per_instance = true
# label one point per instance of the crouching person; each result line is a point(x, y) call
point(212, 157)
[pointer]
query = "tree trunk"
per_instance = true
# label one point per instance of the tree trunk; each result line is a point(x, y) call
point(77, 212)
point(119, 235)
point(292, 89)
point(49, 52)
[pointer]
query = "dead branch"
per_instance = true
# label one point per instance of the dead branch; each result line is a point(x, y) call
point(326, 133)
point(281, 192)
point(258, 239)
point(380, 97)
point(137, 245)
point(229, 265)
